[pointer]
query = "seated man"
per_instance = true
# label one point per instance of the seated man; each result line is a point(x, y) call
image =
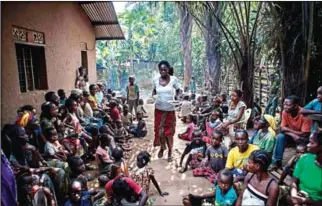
point(294, 127)
point(314, 108)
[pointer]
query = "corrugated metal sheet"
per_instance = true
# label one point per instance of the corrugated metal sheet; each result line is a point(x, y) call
point(104, 20)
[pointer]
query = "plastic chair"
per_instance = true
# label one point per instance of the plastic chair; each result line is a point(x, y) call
point(247, 114)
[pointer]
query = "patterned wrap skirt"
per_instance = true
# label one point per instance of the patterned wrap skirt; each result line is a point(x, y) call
point(164, 128)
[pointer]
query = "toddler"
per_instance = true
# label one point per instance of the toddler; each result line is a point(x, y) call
point(224, 193)
point(140, 130)
point(186, 108)
point(187, 135)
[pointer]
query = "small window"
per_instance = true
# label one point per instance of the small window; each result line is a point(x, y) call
point(31, 67)
point(84, 61)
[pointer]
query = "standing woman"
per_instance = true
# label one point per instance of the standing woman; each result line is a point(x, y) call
point(164, 114)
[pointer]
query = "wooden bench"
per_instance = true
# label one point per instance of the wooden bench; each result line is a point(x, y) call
point(277, 174)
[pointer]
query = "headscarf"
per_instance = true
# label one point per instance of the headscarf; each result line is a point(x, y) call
point(272, 123)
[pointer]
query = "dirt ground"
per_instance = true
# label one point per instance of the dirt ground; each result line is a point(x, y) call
point(167, 174)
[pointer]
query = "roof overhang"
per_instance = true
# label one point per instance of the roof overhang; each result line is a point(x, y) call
point(104, 20)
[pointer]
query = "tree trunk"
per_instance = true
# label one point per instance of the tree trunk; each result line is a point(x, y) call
point(186, 43)
point(246, 79)
point(295, 24)
point(212, 41)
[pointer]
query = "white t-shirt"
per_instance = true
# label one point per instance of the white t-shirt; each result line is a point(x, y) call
point(186, 108)
point(165, 93)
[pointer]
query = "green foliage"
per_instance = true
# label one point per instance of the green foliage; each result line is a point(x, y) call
point(152, 34)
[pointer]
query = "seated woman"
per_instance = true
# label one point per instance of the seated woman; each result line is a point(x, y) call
point(187, 135)
point(73, 122)
point(224, 193)
point(307, 177)
point(264, 139)
point(236, 112)
point(140, 130)
point(196, 150)
point(259, 188)
point(143, 174)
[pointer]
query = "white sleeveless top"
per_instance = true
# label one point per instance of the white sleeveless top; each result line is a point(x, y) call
point(165, 93)
point(251, 196)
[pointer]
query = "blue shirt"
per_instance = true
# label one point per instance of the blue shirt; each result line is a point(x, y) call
point(314, 105)
point(85, 200)
point(193, 86)
point(227, 199)
point(62, 101)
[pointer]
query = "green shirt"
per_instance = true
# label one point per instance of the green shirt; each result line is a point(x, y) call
point(266, 143)
point(310, 176)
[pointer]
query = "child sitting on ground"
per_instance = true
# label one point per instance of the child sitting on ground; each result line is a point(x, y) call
point(77, 169)
point(55, 154)
point(118, 156)
point(62, 96)
point(224, 193)
point(289, 167)
point(140, 130)
point(126, 117)
point(115, 114)
point(73, 145)
point(103, 154)
point(187, 135)
point(196, 150)
point(211, 125)
point(140, 108)
point(143, 174)
point(186, 108)
point(215, 158)
point(120, 132)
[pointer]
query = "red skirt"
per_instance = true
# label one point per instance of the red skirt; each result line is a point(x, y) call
point(164, 128)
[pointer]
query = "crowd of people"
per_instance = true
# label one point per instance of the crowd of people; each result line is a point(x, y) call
point(44, 158)
point(239, 168)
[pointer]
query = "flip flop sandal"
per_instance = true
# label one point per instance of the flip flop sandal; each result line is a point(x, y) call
point(170, 159)
point(160, 154)
point(183, 170)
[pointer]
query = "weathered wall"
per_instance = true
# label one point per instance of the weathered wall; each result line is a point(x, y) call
point(65, 26)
